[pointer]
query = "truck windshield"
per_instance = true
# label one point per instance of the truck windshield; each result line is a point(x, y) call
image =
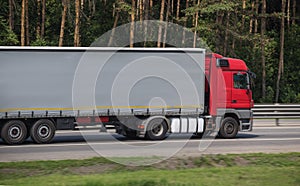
point(241, 81)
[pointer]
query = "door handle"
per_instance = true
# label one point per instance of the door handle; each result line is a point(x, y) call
point(234, 101)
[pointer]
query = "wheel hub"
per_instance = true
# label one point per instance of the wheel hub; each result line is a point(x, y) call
point(15, 132)
point(229, 128)
point(157, 129)
point(43, 131)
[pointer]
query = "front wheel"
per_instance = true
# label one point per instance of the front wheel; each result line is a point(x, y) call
point(156, 129)
point(42, 131)
point(229, 128)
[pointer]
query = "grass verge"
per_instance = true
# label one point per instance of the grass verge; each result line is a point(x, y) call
point(243, 169)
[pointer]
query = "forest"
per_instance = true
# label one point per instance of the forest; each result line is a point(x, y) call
point(264, 33)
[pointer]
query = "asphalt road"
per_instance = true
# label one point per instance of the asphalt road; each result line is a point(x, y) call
point(78, 145)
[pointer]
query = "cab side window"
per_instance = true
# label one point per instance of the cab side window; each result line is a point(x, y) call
point(240, 81)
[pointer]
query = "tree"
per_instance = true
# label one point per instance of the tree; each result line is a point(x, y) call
point(27, 23)
point(11, 14)
point(294, 11)
point(166, 25)
point(177, 11)
point(43, 18)
point(65, 4)
point(146, 5)
point(77, 22)
point(256, 14)
point(7, 36)
point(185, 23)
point(288, 14)
point(243, 12)
point(132, 23)
point(23, 23)
point(263, 59)
point(226, 34)
point(38, 24)
point(116, 14)
point(196, 24)
point(161, 19)
point(281, 59)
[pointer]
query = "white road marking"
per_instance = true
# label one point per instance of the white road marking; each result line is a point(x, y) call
point(149, 142)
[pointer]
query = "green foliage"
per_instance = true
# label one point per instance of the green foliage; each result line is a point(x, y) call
point(222, 6)
point(214, 170)
point(217, 20)
point(7, 37)
point(39, 42)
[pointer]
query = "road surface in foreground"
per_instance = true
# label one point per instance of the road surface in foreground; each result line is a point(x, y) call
point(78, 145)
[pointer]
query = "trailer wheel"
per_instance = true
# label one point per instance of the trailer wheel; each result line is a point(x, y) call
point(42, 131)
point(229, 128)
point(156, 129)
point(14, 132)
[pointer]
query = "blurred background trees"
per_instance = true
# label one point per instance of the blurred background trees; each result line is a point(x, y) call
point(264, 33)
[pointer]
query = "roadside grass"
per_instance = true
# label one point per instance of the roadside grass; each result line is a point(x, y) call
point(241, 169)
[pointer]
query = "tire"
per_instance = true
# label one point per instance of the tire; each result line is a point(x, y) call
point(229, 128)
point(14, 132)
point(156, 129)
point(42, 131)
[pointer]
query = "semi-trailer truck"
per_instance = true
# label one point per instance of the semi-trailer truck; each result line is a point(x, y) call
point(141, 92)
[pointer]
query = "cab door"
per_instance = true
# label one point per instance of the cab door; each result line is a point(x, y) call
point(241, 92)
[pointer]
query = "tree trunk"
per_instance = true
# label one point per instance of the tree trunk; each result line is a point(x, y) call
point(251, 19)
point(161, 19)
point(219, 21)
point(172, 8)
point(196, 25)
point(77, 24)
point(38, 23)
point(166, 25)
point(63, 20)
point(151, 6)
point(132, 24)
point(81, 5)
point(185, 23)
point(288, 14)
point(146, 5)
point(263, 59)
point(294, 12)
point(141, 5)
point(233, 43)
point(178, 11)
point(256, 14)
point(11, 15)
point(43, 18)
point(226, 35)
point(243, 13)
point(27, 23)
point(281, 59)
point(111, 38)
point(92, 8)
point(23, 23)
point(194, 15)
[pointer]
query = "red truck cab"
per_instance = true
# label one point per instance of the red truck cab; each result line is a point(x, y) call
point(229, 95)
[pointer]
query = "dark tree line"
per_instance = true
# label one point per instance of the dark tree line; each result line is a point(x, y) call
point(264, 33)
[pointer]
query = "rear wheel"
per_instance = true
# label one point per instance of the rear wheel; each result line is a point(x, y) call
point(229, 128)
point(14, 132)
point(42, 131)
point(157, 129)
